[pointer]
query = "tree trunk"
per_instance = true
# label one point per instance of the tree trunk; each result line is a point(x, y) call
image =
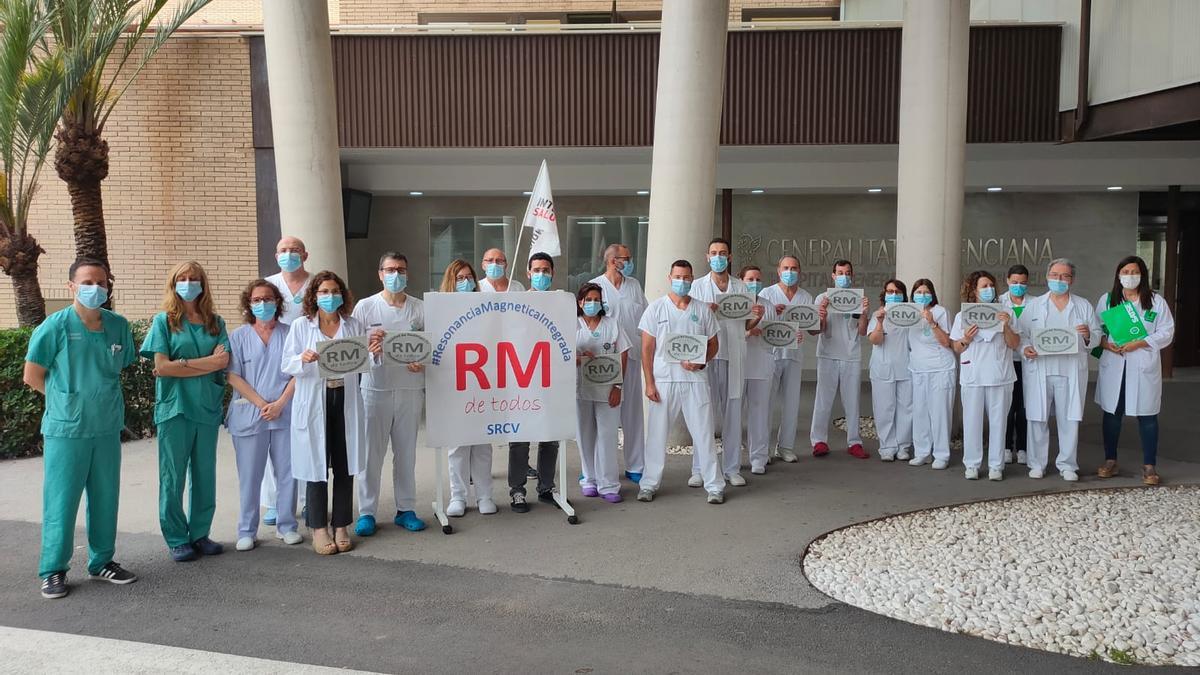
point(81, 160)
point(19, 260)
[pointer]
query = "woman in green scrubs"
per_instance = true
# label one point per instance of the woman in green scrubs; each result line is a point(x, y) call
point(190, 349)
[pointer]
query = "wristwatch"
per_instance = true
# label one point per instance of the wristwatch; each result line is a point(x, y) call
point(616, 386)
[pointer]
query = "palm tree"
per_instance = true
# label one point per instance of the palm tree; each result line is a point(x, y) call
point(31, 100)
point(107, 40)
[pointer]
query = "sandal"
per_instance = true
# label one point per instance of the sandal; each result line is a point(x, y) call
point(327, 548)
point(1150, 478)
point(343, 545)
point(1108, 469)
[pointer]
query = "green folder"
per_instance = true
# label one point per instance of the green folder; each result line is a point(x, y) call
point(1123, 323)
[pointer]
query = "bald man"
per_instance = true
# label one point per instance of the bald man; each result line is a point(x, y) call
point(292, 278)
point(495, 269)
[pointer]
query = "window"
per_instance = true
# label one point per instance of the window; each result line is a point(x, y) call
point(588, 236)
point(774, 14)
point(467, 238)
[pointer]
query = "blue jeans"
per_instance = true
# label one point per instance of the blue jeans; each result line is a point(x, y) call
point(1147, 429)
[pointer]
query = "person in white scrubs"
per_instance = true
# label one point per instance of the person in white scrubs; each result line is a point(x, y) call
point(838, 367)
point(931, 362)
point(470, 465)
point(758, 370)
point(986, 378)
point(726, 380)
point(624, 302)
point(1017, 433)
point(788, 372)
point(891, 383)
point(599, 406)
point(394, 398)
point(1057, 382)
point(495, 270)
point(1130, 381)
point(675, 388)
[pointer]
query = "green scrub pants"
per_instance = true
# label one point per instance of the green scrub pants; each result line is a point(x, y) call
point(71, 466)
point(188, 450)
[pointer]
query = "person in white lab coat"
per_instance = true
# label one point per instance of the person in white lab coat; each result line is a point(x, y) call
point(838, 368)
point(1130, 380)
point(931, 362)
point(891, 383)
point(394, 398)
point(1057, 382)
point(758, 370)
point(1017, 433)
point(624, 302)
point(328, 417)
point(789, 363)
point(987, 376)
point(495, 268)
point(726, 380)
point(678, 388)
point(599, 406)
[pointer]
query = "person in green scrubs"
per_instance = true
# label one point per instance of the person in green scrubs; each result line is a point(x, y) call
point(190, 348)
point(75, 359)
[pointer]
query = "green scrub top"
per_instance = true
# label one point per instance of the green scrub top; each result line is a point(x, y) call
point(83, 373)
point(199, 399)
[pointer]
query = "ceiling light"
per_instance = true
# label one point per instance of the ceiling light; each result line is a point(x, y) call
point(757, 191)
point(1113, 188)
point(527, 193)
point(415, 193)
point(874, 189)
point(995, 189)
point(643, 192)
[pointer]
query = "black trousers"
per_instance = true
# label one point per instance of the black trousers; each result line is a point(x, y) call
point(1018, 428)
point(518, 466)
point(317, 493)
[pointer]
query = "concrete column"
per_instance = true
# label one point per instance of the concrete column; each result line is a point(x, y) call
point(933, 136)
point(304, 124)
point(683, 179)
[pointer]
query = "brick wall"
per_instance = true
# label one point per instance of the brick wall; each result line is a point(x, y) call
point(180, 185)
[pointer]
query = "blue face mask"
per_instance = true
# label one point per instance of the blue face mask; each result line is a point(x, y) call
point(188, 290)
point(465, 285)
point(718, 263)
point(922, 299)
point(263, 311)
point(987, 294)
point(591, 307)
point(681, 287)
point(91, 296)
point(893, 298)
point(841, 280)
point(540, 281)
point(395, 282)
point(289, 261)
point(1057, 286)
point(494, 270)
point(329, 303)
point(754, 286)
point(1017, 290)
point(627, 270)
point(789, 277)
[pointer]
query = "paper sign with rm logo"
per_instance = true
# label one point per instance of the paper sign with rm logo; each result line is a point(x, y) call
point(684, 348)
point(343, 356)
point(1055, 341)
point(732, 306)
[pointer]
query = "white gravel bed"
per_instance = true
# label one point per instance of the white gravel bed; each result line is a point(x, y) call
point(1109, 573)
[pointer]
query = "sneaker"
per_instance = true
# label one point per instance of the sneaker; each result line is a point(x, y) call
point(114, 574)
point(55, 586)
point(409, 521)
point(645, 495)
point(1036, 473)
point(486, 506)
point(785, 454)
point(820, 449)
point(1021, 455)
point(519, 503)
point(996, 474)
point(887, 457)
point(547, 498)
point(696, 480)
point(245, 544)
point(735, 479)
point(456, 508)
point(940, 464)
point(613, 498)
point(590, 491)
point(972, 473)
point(290, 538)
point(1069, 476)
point(758, 470)
point(716, 498)
point(364, 526)
point(1008, 456)
point(531, 473)
point(634, 476)
point(184, 553)
point(918, 461)
point(856, 450)
point(206, 546)
point(271, 517)
point(904, 454)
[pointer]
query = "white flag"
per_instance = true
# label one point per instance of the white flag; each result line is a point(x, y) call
point(540, 216)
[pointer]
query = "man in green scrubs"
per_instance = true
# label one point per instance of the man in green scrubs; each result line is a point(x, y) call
point(75, 359)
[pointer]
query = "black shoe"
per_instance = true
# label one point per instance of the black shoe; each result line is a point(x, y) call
point(183, 553)
point(55, 586)
point(519, 504)
point(206, 546)
point(114, 574)
point(531, 473)
point(548, 498)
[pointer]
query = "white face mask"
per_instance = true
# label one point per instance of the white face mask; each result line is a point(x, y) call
point(1131, 281)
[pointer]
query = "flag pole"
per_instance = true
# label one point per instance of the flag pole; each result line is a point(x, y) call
point(524, 221)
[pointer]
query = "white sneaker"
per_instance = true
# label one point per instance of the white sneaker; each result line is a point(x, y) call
point(696, 480)
point(1036, 473)
point(758, 470)
point(786, 455)
point(290, 538)
point(1069, 476)
point(486, 506)
point(457, 508)
point(887, 457)
point(996, 474)
point(904, 454)
point(972, 473)
point(716, 498)
point(245, 544)
point(918, 461)
point(1008, 456)
point(645, 495)
point(735, 479)
point(1021, 456)
point(940, 464)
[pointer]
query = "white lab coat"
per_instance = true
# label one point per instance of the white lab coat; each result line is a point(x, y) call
point(1142, 369)
point(1037, 405)
point(308, 404)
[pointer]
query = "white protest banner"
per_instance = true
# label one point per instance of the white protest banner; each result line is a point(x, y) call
point(401, 348)
point(343, 356)
point(806, 317)
point(684, 348)
point(733, 306)
point(779, 333)
point(844, 300)
point(1055, 341)
point(601, 369)
point(986, 315)
point(540, 218)
point(903, 314)
point(502, 367)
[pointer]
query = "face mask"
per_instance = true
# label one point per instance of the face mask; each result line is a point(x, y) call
point(789, 277)
point(842, 281)
point(91, 296)
point(987, 294)
point(591, 307)
point(1131, 281)
point(681, 287)
point(1017, 290)
point(540, 281)
point(395, 282)
point(494, 270)
point(465, 286)
point(329, 303)
point(188, 290)
point(289, 261)
point(754, 286)
point(893, 298)
point(627, 269)
point(263, 311)
point(1058, 286)
point(718, 263)
point(922, 299)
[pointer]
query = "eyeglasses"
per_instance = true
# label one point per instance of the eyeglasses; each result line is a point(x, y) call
point(262, 298)
point(621, 259)
point(394, 270)
point(1060, 276)
point(464, 277)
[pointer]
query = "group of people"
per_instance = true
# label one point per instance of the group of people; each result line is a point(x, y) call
point(302, 440)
